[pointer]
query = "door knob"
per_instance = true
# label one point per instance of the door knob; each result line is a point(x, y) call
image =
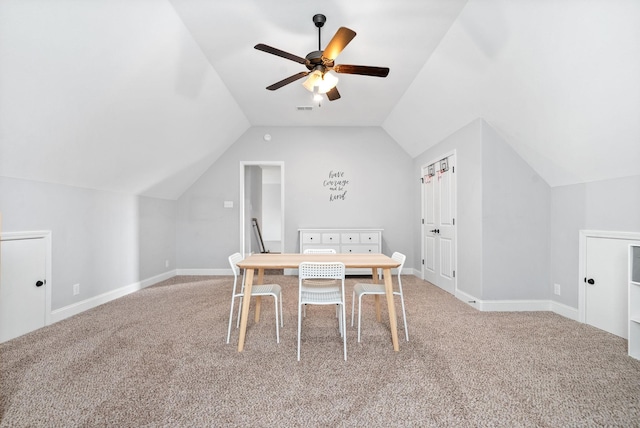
point(590, 281)
point(39, 284)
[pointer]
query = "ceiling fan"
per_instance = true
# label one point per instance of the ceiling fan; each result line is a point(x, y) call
point(320, 63)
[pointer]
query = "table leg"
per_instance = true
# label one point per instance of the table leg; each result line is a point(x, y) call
point(248, 284)
point(388, 287)
point(259, 298)
point(376, 298)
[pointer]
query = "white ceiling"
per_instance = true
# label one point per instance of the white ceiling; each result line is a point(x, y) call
point(143, 95)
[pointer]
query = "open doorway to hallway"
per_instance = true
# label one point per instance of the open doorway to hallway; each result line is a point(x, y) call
point(261, 198)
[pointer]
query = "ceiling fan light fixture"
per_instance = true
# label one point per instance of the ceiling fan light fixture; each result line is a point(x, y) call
point(324, 82)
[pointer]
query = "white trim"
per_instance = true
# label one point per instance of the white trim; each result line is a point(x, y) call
point(564, 310)
point(38, 234)
point(518, 305)
point(582, 260)
point(514, 305)
point(84, 305)
point(467, 298)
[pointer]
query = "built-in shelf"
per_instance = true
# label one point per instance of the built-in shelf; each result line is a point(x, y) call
point(634, 301)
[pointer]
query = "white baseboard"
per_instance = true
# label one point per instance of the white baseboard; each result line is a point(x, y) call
point(518, 305)
point(76, 308)
point(565, 311)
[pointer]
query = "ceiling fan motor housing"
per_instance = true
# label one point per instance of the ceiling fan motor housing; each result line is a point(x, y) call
point(319, 19)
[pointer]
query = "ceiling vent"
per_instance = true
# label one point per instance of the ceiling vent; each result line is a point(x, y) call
point(304, 108)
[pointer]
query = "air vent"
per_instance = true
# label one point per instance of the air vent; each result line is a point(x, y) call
point(304, 108)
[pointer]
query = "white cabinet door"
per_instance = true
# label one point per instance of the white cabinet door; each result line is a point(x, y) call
point(606, 284)
point(22, 287)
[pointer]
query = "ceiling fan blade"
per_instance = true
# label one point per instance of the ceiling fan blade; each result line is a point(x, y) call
point(288, 80)
point(361, 69)
point(278, 52)
point(341, 39)
point(333, 94)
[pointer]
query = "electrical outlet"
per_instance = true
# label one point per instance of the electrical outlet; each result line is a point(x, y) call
point(76, 289)
point(556, 289)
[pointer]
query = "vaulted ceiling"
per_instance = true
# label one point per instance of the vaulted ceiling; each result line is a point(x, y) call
point(141, 96)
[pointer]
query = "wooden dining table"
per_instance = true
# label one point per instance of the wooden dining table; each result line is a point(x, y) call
point(260, 262)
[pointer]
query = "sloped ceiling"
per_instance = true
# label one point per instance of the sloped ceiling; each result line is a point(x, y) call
point(141, 96)
point(560, 80)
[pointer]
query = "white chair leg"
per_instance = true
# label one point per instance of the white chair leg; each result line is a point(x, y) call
point(230, 318)
point(344, 333)
point(281, 313)
point(353, 305)
point(299, 325)
point(359, 315)
point(404, 318)
point(275, 304)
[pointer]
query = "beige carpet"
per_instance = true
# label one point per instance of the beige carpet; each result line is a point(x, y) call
point(158, 358)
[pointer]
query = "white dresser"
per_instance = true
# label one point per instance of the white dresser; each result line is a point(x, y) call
point(343, 241)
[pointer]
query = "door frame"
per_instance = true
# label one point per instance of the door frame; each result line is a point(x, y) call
point(39, 234)
point(423, 168)
point(582, 260)
point(243, 165)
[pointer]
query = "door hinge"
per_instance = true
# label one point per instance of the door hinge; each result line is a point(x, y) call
point(422, 221)
point(454, 273)
point(453, 170)
point(422, 180)
point(422, 261)
point(454, 221)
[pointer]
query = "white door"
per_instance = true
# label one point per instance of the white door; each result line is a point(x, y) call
point(439, 230)
point(606, 282)
point(22, 287)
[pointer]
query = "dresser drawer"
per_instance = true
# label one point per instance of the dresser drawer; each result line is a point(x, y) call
point(350, 238)
point(311, 238)
point(330, 238)
point(359, 249)
point(369, 238)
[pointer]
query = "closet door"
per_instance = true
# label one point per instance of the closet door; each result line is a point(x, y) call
point(439, 230)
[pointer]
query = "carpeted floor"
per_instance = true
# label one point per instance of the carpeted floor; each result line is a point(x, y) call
point(157, 358)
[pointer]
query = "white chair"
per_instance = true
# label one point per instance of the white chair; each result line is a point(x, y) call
point(364, 289)
point(273, 290)
point(320, 282)
point(331, 294)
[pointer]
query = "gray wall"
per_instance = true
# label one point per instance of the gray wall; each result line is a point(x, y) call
point(502, 216)
point(378, 193)
point(100, 240)
point(515, 224)
point(611, 205)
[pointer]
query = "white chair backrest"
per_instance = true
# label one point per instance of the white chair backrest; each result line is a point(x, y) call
point(399, 257)
point(328, 270)
point(319, 251)
point(234, 259)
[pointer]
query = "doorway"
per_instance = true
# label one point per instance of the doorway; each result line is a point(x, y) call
point(438, 222)
point(261, 198)
point(603, 287)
